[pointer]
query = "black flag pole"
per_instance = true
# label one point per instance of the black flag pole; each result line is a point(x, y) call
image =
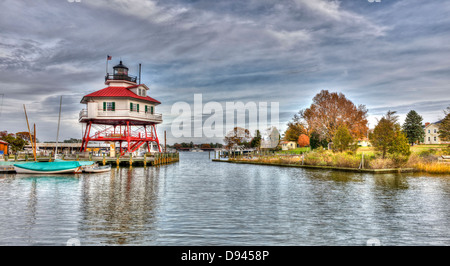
point(108, 57)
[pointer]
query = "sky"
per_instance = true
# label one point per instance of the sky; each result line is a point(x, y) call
point(388, 55)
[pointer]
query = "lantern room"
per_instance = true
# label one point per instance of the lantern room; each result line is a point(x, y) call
point(120, 72)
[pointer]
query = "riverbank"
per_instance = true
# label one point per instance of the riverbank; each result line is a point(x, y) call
point(433, 161)
point(345, 169)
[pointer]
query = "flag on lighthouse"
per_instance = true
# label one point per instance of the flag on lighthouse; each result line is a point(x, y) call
point(108, 57)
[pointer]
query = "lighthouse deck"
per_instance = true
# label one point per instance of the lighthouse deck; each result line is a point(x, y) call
point(111, 117)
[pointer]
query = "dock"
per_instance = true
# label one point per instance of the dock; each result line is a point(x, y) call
point(344, 169)
point(153, 160)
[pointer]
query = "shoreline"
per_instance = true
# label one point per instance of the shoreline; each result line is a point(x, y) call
point(344, 169)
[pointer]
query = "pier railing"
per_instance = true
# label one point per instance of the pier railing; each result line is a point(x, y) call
point(122, 113)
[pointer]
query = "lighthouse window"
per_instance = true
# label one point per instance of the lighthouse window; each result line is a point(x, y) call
point(134, 107)
point(109, 106)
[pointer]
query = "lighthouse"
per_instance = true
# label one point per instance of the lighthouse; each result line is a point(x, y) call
point(122, 112)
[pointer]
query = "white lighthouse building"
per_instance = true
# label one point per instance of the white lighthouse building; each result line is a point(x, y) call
point(122, 112)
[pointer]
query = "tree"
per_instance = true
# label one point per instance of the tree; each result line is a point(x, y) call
point(15, 143)
point(177, 146)
point(205, 146)
point(316, 142)
point(384, 132)
point(237, 137)
point(256, 141)
point(295, 129)
point(413, 127)
point(342, 139)
point(329, 110)
point(303, 140)
point(444, 126)
point(399, 145)
point(387, 137)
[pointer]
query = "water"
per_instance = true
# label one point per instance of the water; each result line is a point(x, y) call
point(199, 202)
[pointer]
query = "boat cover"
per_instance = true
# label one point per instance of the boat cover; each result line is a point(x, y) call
point(49, 166)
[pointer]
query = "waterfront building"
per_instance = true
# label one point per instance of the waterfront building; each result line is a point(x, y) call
point(432, 133)
point(122, 112)
point(288, 145)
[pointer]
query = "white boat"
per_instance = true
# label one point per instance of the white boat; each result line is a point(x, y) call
point(97, 169)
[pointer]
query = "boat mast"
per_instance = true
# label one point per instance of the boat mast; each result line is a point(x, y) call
point(1, 105)
point(57, 132)
point(29, 132)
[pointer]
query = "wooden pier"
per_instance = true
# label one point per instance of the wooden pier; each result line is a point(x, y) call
point(156, 159)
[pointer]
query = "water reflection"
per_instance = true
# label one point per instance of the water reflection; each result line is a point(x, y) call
point(391, 181)
point(199, 202)
point(117, 207)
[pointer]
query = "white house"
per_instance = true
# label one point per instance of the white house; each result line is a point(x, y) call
point(288, 145)
point(432, 133)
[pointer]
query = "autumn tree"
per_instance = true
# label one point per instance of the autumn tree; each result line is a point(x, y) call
point(329, 110)
point(237, 137)
point(295, 129)
point(413, 127)
point(177, 146)
point(342, 139)
point(303, 140)
point(205, 146)
point(387, 136)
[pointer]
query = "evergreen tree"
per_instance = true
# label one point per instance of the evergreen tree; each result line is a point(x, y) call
point(342, 139)
point(256, 141)
point(384, 132)
point(387, 137)
point(413, 127)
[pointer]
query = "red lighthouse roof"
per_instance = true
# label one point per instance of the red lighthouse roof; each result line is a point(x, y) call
point(119, 92)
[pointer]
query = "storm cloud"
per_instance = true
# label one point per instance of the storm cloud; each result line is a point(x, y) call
point(388, 55)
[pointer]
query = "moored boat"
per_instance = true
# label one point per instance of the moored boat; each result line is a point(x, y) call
point(60, 167)
point(97, 169)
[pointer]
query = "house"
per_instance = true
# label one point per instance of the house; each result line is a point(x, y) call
point(432, 133)
point(364, 142)
point(288, 145)
point(3, 147)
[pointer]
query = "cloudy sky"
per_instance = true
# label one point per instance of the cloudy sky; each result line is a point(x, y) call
point(388, 55)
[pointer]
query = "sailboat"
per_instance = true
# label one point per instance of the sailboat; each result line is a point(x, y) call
point(59, 167)
point(56, 167)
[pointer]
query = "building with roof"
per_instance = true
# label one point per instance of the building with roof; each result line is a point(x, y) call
point(122, 112)
point(432, 133)
point(288, 145)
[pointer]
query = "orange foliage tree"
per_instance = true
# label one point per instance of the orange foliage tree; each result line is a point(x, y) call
point(303, 140)
point(330, 110)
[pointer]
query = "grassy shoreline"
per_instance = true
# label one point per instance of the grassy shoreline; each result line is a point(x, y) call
point(346, 169)
point(423, 158)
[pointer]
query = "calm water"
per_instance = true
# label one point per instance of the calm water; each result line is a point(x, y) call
point(198, 202)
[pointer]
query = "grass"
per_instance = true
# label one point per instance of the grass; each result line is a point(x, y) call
point(295, 151)
point(433, 167)
point(423, 158)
